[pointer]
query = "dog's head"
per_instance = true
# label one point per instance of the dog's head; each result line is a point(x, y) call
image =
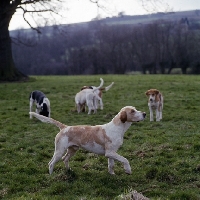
point(44, 111)
point(86, 87)
point(152, 94)
point(130, 114)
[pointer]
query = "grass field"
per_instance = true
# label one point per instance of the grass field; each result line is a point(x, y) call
point(164, 156)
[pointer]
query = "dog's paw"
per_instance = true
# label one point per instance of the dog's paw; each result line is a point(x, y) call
point(69, 170)
point(128, 172)
point(112, 172)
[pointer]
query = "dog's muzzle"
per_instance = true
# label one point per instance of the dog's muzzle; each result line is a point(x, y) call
point(144, 115)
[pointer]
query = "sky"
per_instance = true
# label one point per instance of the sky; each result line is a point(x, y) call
point(75, 11)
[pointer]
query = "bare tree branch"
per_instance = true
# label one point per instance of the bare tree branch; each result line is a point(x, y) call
point(24, 12)
point(36, 8)
point(156, 5)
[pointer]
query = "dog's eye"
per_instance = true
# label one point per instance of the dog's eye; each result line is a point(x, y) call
point(153, 94)
point(132, 111)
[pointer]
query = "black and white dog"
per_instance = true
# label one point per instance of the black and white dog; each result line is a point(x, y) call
point(42, 103)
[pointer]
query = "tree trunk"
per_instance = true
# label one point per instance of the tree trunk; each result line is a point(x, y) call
point(8, 72)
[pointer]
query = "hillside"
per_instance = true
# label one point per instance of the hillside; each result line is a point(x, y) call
point(144, 19)
point(127, 20)
point(155, 43)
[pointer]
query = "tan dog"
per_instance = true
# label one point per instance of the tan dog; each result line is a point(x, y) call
point(100, 139)
point(155, 103)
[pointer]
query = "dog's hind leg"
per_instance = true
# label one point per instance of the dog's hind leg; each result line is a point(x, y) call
point(95, 105)
point(89, 110)
point(56, 157)
point(59, 151)
point(70, 152)
point(100, 101)
point(95, 110)
point(37, 110)
point(78, 106)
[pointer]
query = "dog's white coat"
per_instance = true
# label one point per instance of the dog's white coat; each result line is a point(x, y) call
point(88, 97)
point(98, 91)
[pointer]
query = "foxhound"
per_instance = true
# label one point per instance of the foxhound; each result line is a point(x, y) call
point(41, 101)
point(99, 93)
point(155, 103)
point(88, 97)
point(100, 139)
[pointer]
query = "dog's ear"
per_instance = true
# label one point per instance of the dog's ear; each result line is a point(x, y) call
point(123, 116)
point(147, 93)
point(44, 113)
point(156, 91)
point(84, 87)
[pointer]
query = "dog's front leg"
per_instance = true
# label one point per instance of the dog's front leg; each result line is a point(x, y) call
point(31, 105)
point(37, 110)
point(151, 113)
point(111, 163)
point(160, 109)
point(157, 115)
point(115, 156)
point(49, 112)
point(161, 114)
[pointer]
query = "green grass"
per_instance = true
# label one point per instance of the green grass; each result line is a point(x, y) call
point(164, 156)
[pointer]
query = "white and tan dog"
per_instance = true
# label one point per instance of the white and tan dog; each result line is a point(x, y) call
point(88, 97)
point(155, 103)
point(100, 139)
point(99, 92)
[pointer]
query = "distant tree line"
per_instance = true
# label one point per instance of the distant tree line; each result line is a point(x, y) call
point(97, 48)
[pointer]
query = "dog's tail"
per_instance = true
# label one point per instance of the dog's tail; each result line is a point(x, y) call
point(99, 87)
point(108, 87)
point(48, 120)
